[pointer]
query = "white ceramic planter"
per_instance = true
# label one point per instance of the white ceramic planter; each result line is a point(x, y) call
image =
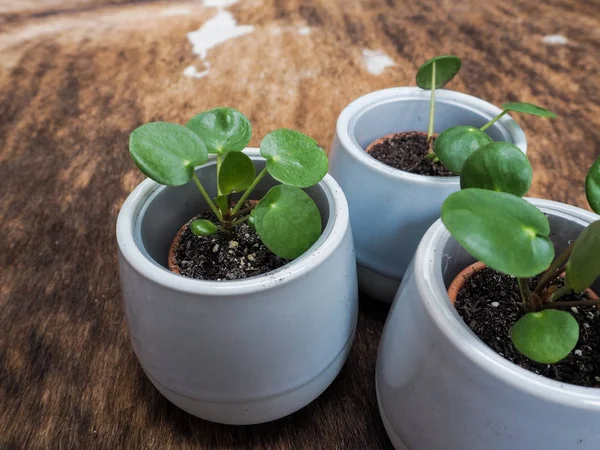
point(244, 351)
point(390, 209)
point(440, 387)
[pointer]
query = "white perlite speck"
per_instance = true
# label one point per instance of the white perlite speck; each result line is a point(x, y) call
point(495, 304)
point(578, 352)
point(376, 61)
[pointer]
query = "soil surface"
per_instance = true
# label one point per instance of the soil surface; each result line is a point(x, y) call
point(406, 151)
point(218, 257)
point(490, 304)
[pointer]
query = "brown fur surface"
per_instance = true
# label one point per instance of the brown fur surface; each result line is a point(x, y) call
point(77, 76)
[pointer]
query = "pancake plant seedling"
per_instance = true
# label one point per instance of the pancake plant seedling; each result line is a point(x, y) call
point(286, 219)
point(495, 225)
point(454, 145)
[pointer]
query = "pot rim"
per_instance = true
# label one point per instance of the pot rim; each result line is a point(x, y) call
point(136, 203)
point(350, 114)
point(428, 276)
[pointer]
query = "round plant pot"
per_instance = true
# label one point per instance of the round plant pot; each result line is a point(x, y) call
point(440, 387)
point(243, 351)
point(390, 209)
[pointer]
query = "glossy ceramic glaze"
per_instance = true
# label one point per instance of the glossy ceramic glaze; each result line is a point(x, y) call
point(440, 387)
point(390, 209)
point(244, 351)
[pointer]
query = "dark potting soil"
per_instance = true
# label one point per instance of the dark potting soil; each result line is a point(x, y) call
point(490, 304)
point(218, 258)
point(406, 151)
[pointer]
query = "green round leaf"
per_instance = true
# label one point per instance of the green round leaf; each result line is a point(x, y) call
point(546, 336)
point(237, 173)
point(446, 67)
point(502, 230)
point(592, 186)
point(167, 152)
point(201, 227)
point(499, 166)
point(287, 221)
point(223, 130)
point(454, 145)
point(584, 263)
point(294, 158)
point(251, 220)
point(528, 108)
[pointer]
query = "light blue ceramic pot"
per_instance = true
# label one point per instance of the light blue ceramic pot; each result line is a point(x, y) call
point(440, 387)
point(242, 351)
point(390, 209)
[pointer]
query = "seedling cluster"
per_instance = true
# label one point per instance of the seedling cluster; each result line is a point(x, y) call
point(453, 146)
point(286, 219)
point(494, 224)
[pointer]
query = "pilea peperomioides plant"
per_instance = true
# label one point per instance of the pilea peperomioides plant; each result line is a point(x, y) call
point(286, 219)
point(454, 145)
point(494, 224)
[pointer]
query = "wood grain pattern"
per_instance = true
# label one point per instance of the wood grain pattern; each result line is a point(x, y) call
point(77, 76)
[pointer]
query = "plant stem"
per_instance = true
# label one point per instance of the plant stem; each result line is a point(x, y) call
point(240, 220)
point(560, 292)
point(210, 203)
point(431, 104)
point(219, 162)
point(557, 305)
point(241, 212)
point(554, 270)
point(493, 121)
point(246, 194)
point(528, 300)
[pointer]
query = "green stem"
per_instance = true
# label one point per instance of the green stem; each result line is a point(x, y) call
point(556, 305)
point(240, 220)
point(528, 300)
point(560, 292)
point(241, 212)
point(246, 194)
point(219, 162)
point(431, 104)
point(493, 121)
point(554, 270)
point(210, 203)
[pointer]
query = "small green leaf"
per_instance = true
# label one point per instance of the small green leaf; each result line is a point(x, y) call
point(446, 67)
point(584, 263)
point(546, 336)
point(221, 202)
point(454, 145)
point(251, 220)
point(502, 230)
point(499, 166)
point(528, 108)
point(592, 186)
point(237, 173)
point(287, 221)
point(167, 152)
point(223, 130)
point(201, 227)
point(294, 158)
